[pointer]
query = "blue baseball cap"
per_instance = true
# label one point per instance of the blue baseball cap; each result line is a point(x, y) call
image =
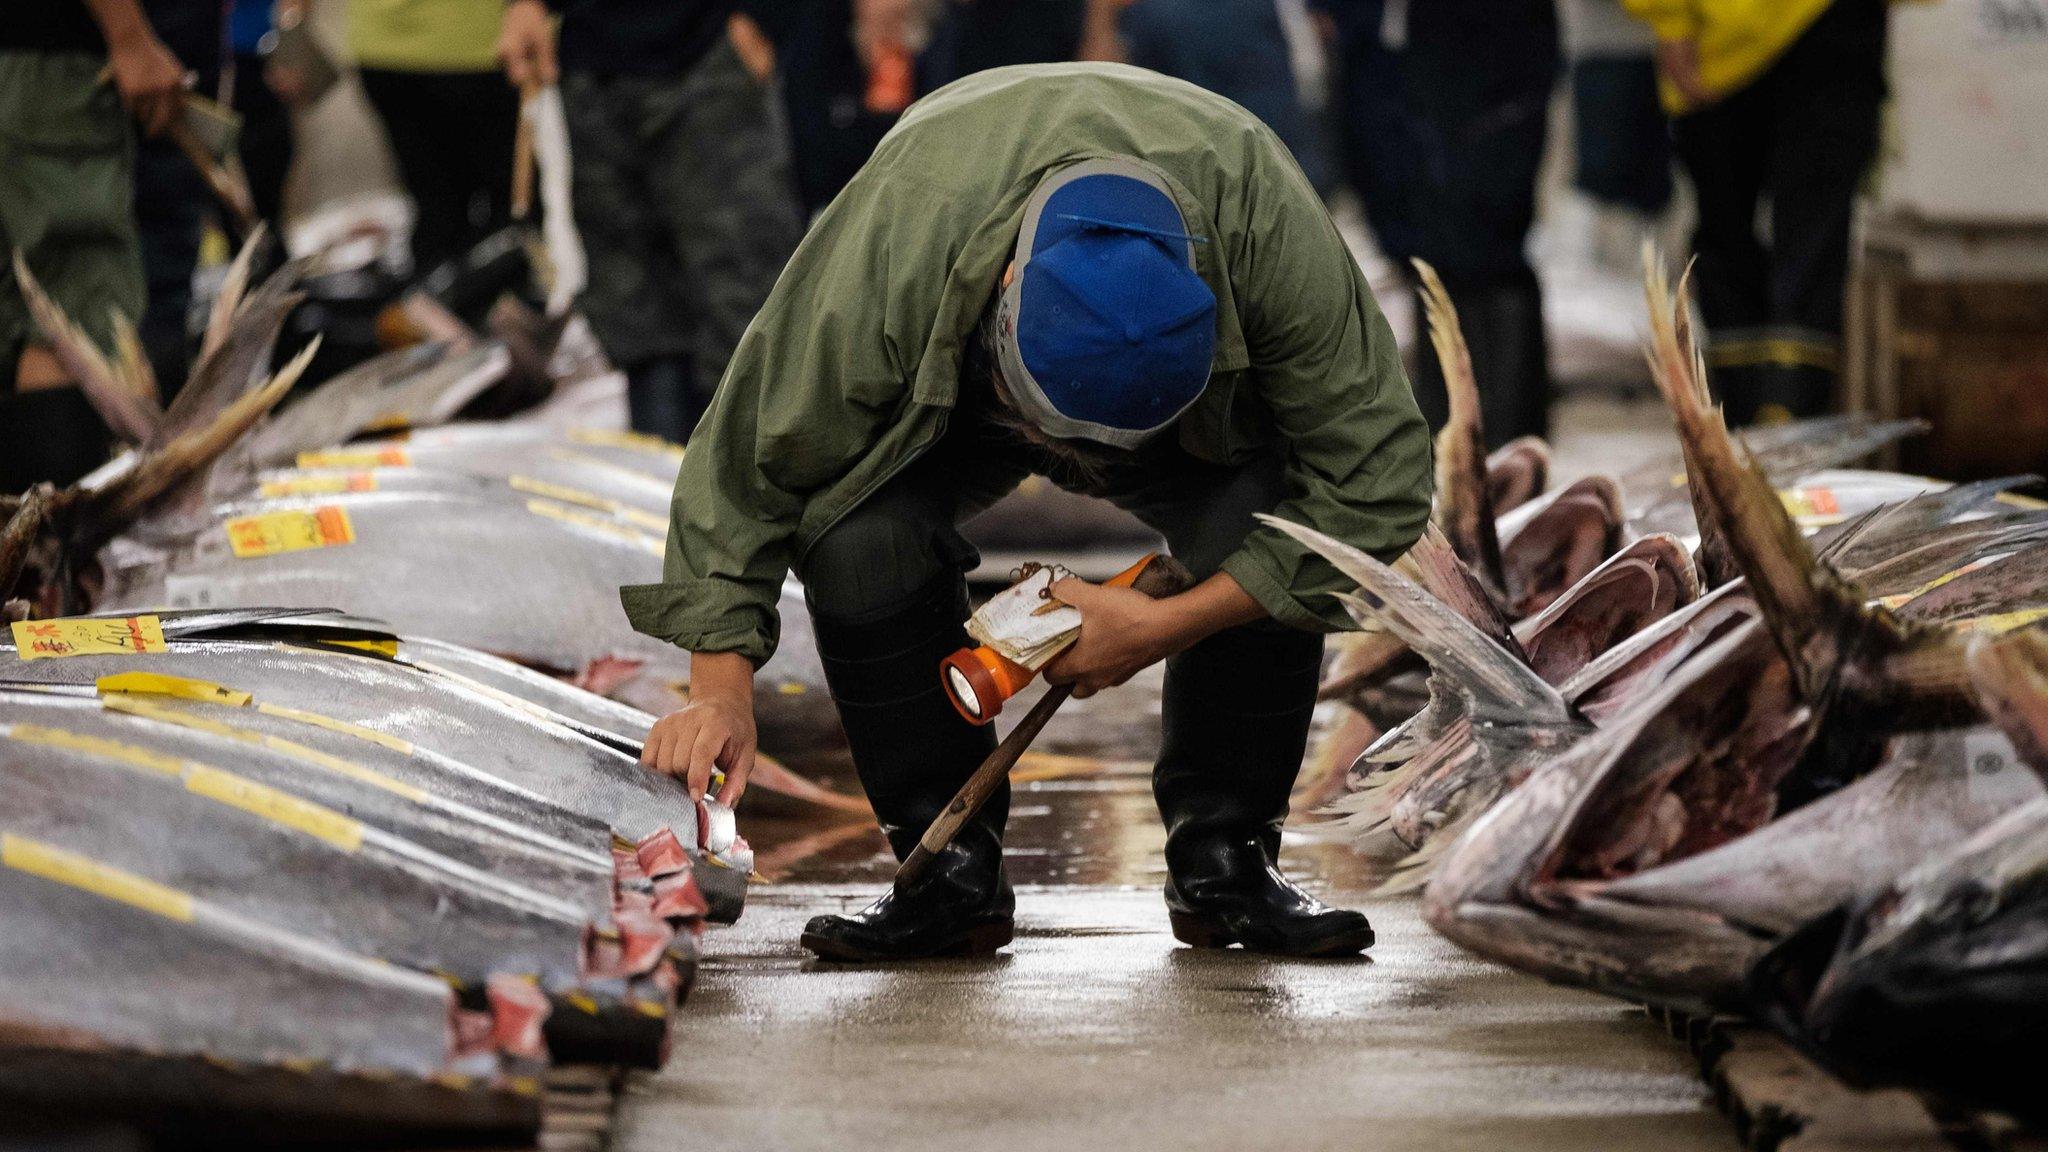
point(1106, 330)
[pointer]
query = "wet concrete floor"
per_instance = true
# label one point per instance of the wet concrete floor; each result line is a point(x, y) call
point(1097, 1030)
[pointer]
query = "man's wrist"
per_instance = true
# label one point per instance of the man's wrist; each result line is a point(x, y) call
point(725, 675)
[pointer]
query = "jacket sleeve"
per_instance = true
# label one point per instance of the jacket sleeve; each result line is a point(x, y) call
point(1669, 19)
point(1325, 363)
point(816, 377)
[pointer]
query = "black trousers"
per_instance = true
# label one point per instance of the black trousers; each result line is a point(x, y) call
point(451, 133)
point(1795, 143)
point(1445, 115)
point(892, 551)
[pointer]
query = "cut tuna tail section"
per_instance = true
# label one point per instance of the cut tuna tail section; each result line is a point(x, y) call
point(228, 301)
point(2010, 673)
point(1498, 683)
point(1464, 503)
point(1517, 473)
point(124, 394)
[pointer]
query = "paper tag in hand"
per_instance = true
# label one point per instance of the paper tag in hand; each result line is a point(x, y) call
point(1024, 624)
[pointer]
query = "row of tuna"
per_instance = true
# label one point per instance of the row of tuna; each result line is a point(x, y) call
point(1747, 736)
point(320, 799)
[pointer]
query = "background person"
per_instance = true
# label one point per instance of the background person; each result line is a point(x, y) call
point(430, 69)
point(67, 186)
point(1172, 323)
point(682, 189)
point(1773, 102)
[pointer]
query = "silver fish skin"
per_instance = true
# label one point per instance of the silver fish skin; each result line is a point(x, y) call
point(506, 748)
point(487, 554)
point(419, 386)
point(115, 985)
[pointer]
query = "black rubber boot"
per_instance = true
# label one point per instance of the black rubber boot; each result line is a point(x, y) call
point(1503, 328)
point(913, 752)
point(1237, 714)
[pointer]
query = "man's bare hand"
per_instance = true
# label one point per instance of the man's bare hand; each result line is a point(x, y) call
point(715, 730)
point(150, 80)
point(526, 45)
point(1678, 61)
point(1122, 632)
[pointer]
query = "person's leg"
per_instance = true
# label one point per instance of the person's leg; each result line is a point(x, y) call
point(407, 103)
point(888, 598)
point(482, 134)
point(171, 206)
point(1830, 90)
point(1236, 713)
point(1723, 147)
point(265, 145)
point(66, 189)
point(719, 173)
point(625, 299)
point(1487, 124)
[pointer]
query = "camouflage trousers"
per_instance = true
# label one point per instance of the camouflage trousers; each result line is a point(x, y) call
point(684, 199)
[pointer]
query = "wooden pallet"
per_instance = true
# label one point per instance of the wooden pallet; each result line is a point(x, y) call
point(1780, 1101)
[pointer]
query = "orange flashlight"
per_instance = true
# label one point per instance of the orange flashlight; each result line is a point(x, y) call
point(978, 680)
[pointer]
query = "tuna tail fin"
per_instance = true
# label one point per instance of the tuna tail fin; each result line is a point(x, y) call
point(2010, 674)
point(1897, 521)
point(1499, 683)
point(1464, 502)
point(123, 392)
point(1818, 621)
point(1797, 597)
point(184, 461)
point(235, 356)
point(1435, 563)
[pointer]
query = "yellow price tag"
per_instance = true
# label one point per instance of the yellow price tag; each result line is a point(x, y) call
point(275, 532)
point(1812, 503)
point(323, 485)
point(357, 458)
point(74, 636)
point(88, 875)
point(2003, 622)
point(570, 515)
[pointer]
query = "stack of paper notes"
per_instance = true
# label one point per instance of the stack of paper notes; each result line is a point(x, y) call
point(1024, 623)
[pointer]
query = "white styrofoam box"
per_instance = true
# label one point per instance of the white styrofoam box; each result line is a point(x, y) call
point(1969, 132)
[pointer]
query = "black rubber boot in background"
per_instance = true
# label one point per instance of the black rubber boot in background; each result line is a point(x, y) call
point(913, 752)
point(1237, 716)
point(1503, 327)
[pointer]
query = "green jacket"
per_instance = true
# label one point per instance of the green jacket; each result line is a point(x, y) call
point(850, 369)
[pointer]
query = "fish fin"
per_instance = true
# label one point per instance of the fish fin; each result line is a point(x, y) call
point(129, 415)
point(1499, 684)
point(1412, 873)
point(1804, 604)
point(227, 303)
point(131, 365)
point(1464, 502)
point(235, 363)
point(1437, 566)
point(181, 466)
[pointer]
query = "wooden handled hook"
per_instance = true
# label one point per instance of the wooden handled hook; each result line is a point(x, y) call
point(1163, 577)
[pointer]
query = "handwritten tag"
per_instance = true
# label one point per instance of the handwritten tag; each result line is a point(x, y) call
point(275, 532)
point(631, 441)
point(1812, 504)
point(72, 636)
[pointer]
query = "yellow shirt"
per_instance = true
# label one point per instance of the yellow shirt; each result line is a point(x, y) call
point(425, 35)
point(1737, 39)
